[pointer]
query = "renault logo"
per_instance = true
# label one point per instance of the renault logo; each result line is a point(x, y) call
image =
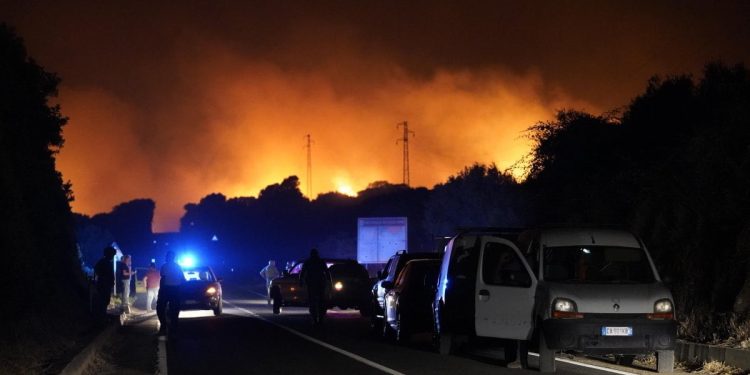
point(616, 307)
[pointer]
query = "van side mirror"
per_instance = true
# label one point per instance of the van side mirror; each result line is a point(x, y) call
point(285, 273)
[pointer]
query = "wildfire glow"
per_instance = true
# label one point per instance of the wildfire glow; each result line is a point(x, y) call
point(346, 190)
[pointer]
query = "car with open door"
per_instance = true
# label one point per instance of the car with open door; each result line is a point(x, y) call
point(485, 291)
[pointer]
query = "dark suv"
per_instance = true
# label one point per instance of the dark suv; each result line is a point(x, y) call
point(386, 278)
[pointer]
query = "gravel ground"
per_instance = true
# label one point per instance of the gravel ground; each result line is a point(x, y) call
point(131, 350)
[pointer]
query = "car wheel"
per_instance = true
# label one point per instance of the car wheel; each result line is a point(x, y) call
point(546, 355)
point(365, 309)
point(443, 343)
point(625, 360)
point(388, 333)
point(219, 309)
point(665, 361)
point(402, 330)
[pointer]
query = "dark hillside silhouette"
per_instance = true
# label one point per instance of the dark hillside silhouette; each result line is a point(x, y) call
point(44, 296)
point(281, 224)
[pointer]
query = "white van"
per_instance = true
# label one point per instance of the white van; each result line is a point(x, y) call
point(590, 290)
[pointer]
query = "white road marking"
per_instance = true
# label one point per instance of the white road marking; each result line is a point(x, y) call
point(161, 357)
point(351, 355)
point(588, 365)
point(391, 371)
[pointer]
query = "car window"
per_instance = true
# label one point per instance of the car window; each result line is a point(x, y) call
point(402, 277)
point(502, 266)
point(597, 264)
point(392, 267)
point(296, 269)
point(198, 275)
point(465, 255)
point(385, 269)
point(349, 271)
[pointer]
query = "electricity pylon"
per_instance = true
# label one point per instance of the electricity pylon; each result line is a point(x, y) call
point(405, 140)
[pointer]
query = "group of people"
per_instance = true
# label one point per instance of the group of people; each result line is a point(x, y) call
point(162, 286)
point(107, 274)
point(314, 276)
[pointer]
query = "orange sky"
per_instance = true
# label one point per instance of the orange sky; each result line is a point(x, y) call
point(258, 116)
point(173, 101)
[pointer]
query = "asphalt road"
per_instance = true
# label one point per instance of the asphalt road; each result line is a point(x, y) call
point(249, 339)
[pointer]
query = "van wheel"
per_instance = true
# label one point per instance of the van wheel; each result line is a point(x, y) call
point(219, 309)
point(510, 351)
point(665, 361)
point(546, 355)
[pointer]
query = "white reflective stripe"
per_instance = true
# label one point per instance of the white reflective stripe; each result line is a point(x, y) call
point(588, 365)
point(161, 358)
point(351, 355)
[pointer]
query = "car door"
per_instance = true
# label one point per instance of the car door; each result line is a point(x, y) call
point(505, 291)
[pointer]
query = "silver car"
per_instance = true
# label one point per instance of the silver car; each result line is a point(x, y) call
point(598, 292)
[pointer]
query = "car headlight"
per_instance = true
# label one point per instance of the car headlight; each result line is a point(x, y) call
point(663, 306)
point(338, 286)
point(564, 308)
point(211, 290)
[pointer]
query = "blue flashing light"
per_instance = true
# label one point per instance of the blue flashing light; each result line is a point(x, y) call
point(187, 260)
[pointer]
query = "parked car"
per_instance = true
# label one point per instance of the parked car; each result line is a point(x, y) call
point(386, 279)
point(201, 290)
point(287, 291)
point(590, 290)
point(599, 293)
point(350, 287)
point(408, 305)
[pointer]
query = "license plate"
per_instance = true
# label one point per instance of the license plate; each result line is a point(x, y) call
point(617, 331)
point(191, 302)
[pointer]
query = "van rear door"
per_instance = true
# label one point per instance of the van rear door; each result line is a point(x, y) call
point(505, 290)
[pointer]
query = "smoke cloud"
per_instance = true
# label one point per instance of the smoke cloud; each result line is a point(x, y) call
point(173, 102)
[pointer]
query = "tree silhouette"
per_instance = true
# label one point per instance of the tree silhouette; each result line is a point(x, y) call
point(37, 235)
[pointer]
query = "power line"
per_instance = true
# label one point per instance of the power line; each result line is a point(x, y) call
point(309, 166)
point(405, 141)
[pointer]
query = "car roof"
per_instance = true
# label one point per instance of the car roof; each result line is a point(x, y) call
point(555, 237)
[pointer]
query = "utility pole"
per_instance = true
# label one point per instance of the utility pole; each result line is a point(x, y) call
point(405, 141)
point(309, 166)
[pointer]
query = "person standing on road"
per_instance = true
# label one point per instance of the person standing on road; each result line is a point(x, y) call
point(151, 280)
point(104, 281)
point(315, 277)
point(169, 294)
point(124, 271)
point(269, 273)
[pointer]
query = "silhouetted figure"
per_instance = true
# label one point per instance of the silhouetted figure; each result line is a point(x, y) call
point(316, 278)
point(124, 271)
point(169, 294)
point(104, 279)
point(152, 280)
point(269, 273)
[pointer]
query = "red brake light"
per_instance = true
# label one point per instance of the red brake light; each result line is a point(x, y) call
point(567, 315)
